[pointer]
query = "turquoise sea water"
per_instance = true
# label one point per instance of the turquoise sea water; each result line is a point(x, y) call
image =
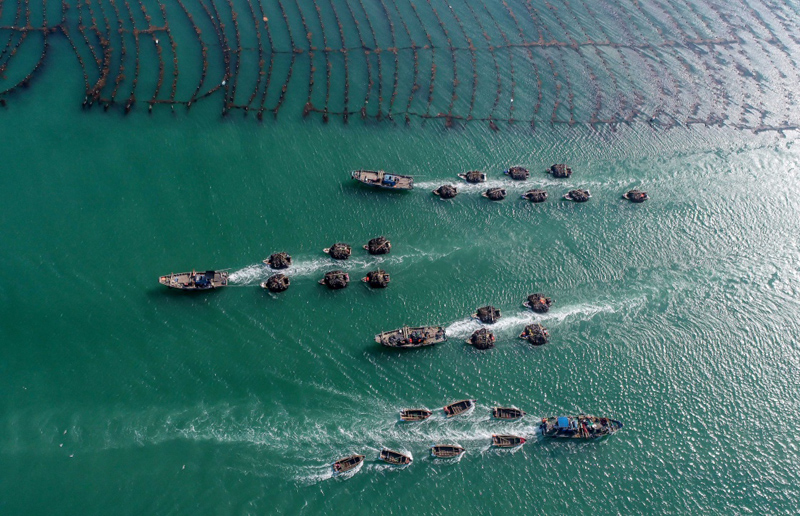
point(677, 316)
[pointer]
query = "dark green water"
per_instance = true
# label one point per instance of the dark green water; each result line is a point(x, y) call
point(117, 396)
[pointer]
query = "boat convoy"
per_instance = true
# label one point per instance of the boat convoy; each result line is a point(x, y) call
point(580, 427)
point(390, 181)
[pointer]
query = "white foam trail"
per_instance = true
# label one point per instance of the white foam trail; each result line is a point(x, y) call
point(250, 274)
point(256, 273)
point(463, 186)
point(585, 311)
point(514, 186)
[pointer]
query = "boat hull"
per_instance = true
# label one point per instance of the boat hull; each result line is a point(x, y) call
point(458, 408)
point(446, 451)
point(507, 413)
point(195, 281)
point(381, 179)
point(415, 414)
point(578, 427)
point(347, 464)
point(395, 458)
point(409, 338)
point(507, 441)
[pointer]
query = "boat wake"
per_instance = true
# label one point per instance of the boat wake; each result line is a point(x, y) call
point(256, 273)
point(514, 323)
point(515, 186)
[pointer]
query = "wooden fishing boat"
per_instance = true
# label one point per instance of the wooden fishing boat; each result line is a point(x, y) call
point(407, 337)
point(415, 414)
point(459, 407)
point(446, 451)
point(394, 457)
point(207, 280)
point(578, 427)
point(346, 464)
point(507, 413)
point(507, 441)
point(381, 179)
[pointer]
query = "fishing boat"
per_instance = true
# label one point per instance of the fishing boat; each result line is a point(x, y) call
point(636, 196)
point(560, 170)
point(487, 314)
point(447, 451)
point(507, 441)
point(381, 179)
point(407, 337)
point(539, 303)
point(508, 413)
point(578, 195)
point(207, 280)
point(415, 414)
point(578, 427)
point(279, 261)
point(346, 464)
point(378, 245)
point(394, 457)
point(473, 176)
point(517, 173)
point(459, 407)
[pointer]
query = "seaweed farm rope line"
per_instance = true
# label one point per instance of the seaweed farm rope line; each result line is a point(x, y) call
point(663, 62)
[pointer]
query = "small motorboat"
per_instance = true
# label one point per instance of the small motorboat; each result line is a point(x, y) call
point(407, 337)
point(578, 427)
point(381, 179)
point(459, 407)
point(507, 441)
point(394, 457)
point(508, 413)
point(207, 280)
point(473, 176)
point(415, 414)
point(347, 464)
point(447, 451)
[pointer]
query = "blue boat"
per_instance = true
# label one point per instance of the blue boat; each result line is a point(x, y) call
point(578, 427)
